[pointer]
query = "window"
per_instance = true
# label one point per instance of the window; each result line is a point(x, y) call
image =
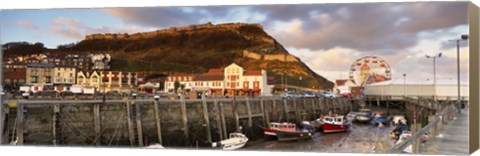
point(95, 79)
point(245, 84)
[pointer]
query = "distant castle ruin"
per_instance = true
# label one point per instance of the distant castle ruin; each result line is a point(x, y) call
point(171, 30)
point(270, 57)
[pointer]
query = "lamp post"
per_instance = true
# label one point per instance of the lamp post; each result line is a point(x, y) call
point(299, 81)
point(462, 37)
point(104, 60)
point(404, 83)
point(434, 73)
point(1, 96)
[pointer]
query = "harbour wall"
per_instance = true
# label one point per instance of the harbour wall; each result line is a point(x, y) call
point(179, 123)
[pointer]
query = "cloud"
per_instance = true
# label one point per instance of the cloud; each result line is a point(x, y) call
point(74, 29)
point(426, 16)
point(334, 59)
point(448, 45)
point(368, 27)
point(361, 26)
point(28, 25)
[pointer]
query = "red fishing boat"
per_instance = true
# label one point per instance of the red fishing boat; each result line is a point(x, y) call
point(335, 123)
point(270, 132)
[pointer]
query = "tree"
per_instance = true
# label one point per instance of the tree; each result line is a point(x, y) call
point(176, 85)
point(182, 87)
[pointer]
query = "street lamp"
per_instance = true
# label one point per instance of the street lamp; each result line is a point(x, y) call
point(104, 60)
point(434, 72)
point(462, 37)
point(404, 83)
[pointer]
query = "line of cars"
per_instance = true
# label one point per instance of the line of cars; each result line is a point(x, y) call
point(311, 94)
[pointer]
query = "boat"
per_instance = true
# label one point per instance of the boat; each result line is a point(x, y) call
point(235, 141)
point(295, 135)
point(312, 125)
point(335, 123)
point(396, 119)
point(395, 133)
point(379, 118)
point(404, 137)
point(270, 132)
point(286, 132)
point(155, 146)
point(351, 116)
point(363, 115)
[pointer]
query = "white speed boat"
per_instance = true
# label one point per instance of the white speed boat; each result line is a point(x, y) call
point(236, 141)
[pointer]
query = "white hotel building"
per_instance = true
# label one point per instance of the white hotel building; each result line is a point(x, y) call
point(232, 80)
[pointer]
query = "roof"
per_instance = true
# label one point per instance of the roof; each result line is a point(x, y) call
point(218, 71)
point(340, 82)
point(206, 77)
point(15, 74)
point(252, 72)
point(181, 74)
point(16, 63)
point(65, 66)
point(40, 65)
point(410, 82)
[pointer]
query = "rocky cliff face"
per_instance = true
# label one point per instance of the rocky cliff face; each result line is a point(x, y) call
point(197, 48)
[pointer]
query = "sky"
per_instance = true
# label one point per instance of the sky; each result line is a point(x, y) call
point(327, 37)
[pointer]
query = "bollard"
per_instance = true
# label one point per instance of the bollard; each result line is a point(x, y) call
point(433, 131)
point(157, 118)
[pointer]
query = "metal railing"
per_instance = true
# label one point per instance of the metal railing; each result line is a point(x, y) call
point(444, 115)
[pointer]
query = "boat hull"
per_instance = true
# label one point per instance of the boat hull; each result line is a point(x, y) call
point(293, 136)
point(363, 118)
point(270, 133)
point(380, 120)
point(234, 146)
point(331, 128)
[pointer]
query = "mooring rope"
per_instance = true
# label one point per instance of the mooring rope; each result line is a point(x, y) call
point(118, 125)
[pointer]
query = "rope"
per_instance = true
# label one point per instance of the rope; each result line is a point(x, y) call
point(67, 115)
point(14, 130)
point(118, 125)
point(101, 132)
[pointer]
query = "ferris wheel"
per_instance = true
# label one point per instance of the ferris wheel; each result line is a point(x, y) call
point(369, 69)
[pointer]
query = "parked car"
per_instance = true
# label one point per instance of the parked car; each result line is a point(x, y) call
point(330, 95)
point(347, 95)
point(289, 95)
point(308, 94)
point(319, 94)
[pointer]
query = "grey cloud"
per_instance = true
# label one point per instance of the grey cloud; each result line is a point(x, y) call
point(447, 45)
point(361, 26)
point(167, 16)
point(425, 16)
point(73, 29)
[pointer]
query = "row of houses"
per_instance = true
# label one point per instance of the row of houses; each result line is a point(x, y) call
point(231, 80)
point(43, 76)
point(15, 69)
